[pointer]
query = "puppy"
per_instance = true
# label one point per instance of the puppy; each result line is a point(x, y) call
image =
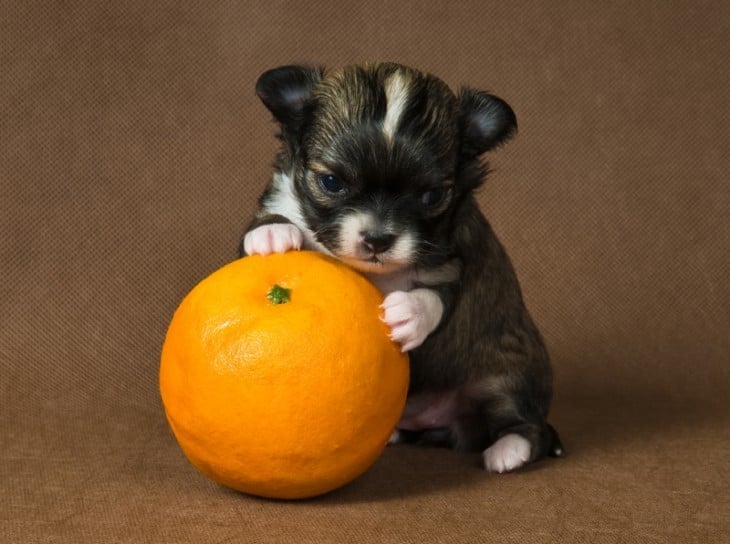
point(378, 167)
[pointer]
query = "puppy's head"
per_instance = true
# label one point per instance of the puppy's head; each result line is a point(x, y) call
point(379, 156)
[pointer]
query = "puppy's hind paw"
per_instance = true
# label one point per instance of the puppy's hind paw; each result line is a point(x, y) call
point(507, 454)
point(273, 238)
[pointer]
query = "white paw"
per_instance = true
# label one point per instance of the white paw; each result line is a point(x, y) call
point(506, 454)
point(412, 316)
point(274, 238)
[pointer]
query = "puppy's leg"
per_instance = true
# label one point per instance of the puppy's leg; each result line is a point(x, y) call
point(509, 452)
point(520, 439)
point(513, 427)
point(522, 444)
point(270, 234)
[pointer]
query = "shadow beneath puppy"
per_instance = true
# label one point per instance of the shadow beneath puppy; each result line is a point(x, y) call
point(422, 469)
point(405, 470)
point(599, 427)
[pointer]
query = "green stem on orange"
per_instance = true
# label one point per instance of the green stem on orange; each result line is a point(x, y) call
point(279, 295)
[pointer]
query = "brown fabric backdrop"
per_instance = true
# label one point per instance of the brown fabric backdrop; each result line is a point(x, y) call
point(132, 151)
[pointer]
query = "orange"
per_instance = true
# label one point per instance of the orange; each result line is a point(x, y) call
point(278, 378)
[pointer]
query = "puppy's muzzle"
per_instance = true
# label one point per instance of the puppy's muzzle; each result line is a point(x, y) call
point(377, 242)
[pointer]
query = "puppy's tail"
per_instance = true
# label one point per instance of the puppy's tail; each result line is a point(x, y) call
point(556, 446)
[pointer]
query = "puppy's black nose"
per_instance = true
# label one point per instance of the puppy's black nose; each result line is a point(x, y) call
point(377, 241)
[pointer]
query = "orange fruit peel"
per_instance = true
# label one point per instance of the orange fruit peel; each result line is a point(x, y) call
point(278, 377)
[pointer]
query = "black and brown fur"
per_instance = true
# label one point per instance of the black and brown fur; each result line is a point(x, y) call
point(486, 344)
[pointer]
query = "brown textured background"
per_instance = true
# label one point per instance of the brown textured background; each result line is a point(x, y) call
point(132, 149)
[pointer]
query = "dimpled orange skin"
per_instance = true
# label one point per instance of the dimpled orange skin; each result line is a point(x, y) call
point(286, 400)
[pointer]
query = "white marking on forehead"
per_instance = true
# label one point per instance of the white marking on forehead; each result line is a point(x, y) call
point(396, 96)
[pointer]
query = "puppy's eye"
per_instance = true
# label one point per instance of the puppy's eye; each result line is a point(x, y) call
point(331, 184)
point(434, 197)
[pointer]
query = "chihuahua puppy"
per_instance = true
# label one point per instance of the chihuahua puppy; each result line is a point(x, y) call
point(378, 167)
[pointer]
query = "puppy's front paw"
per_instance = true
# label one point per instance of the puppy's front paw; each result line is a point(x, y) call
point(412, 316)
point(506, 454)
point(274, 238)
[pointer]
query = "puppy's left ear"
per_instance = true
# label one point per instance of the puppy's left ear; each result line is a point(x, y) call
point(487, 121)
point(285, 91)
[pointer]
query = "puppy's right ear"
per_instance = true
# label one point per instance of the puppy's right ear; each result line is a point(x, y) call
point(487, 121)
point(285, 91)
